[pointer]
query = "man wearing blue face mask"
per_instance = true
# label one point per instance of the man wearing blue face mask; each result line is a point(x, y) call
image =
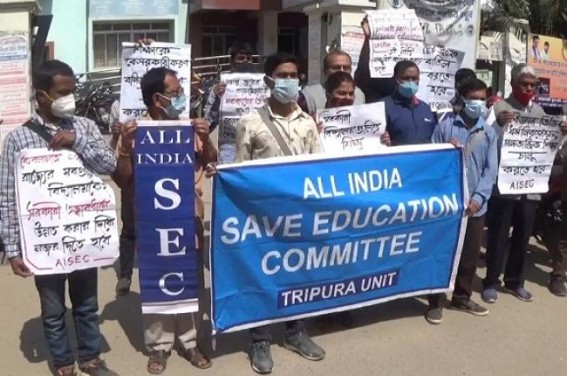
point(409, 121)
point(467, 129)
point(279, 128)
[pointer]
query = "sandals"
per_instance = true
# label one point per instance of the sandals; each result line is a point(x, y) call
point(67, 371)
point(197, 358)
point(157, 362)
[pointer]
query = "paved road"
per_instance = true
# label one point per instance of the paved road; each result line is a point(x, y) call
point(521, 339)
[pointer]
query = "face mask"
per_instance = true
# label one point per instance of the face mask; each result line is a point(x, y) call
point(63, 107)
point(340, 102)
point(244, 67)
point(475, 108)
point(523, 97)
point(285, 89)
point(408, 89)
point(177, 106)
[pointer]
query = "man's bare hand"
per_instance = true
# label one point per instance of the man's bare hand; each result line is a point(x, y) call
point(128, 133)
point(385, 139)
point(473, 208)
point(63, 139)
point(19, 268)
point(505, 117)
point(454, 142)
point(201, 127)
point(219, 89)
point(365, 27)
point(211, 170)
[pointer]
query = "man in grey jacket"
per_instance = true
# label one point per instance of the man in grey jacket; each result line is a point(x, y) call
point(313, 97)
point(508, 210)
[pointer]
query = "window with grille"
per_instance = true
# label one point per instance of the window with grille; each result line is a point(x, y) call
point(217, 40)
point(108, 38)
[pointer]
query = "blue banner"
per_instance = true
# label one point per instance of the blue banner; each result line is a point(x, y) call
point(164, 179)
point(302, 237)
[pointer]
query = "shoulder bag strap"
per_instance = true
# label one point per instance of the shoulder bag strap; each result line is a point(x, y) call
point(275, 132)
point(39, 129)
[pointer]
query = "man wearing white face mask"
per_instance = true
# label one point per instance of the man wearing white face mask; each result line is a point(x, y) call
point(467, 129)
point(277, 129)
point(54, 126)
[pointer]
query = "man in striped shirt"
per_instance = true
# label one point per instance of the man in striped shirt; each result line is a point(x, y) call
point(54, 126)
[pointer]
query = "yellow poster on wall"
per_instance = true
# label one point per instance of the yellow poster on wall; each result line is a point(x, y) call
point(548, 56)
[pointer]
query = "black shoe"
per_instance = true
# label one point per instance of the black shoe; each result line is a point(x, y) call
point(261, 357)
point(470, 307)
point(434, 316)
point(557, 285)
point(304, 346)
point(123, 286)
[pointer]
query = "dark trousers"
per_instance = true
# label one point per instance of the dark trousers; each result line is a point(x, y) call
point(128, 234)
point(262, 333)
point(467, 264)
point(554, 235)
point(83, 293)
point(505, 213)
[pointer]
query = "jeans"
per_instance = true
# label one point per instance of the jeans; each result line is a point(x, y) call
point(262, 333)
point(504, 213)
point(83, 293)
point(128, 234)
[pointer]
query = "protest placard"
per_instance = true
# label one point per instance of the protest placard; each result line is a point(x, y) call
point(548, 56)
point(67, 214)
point(137, 59)
point(164, 176)
point(452, 24)
point(340, 232)
point(352, 128)
point(244, 92)
point(437, 64)
point(528, 151)
point(352, 39)
point(394, 24)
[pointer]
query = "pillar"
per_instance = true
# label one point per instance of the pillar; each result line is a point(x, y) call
point(267, 32)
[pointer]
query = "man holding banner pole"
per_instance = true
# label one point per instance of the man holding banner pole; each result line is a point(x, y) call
point(163, 95)
point(279, 128)
point(467, 130)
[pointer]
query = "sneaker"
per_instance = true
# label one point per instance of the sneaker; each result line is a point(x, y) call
point(521, 293)
point(261, 357)
point(489, 295)
point(557, 285)
point(434, 316)
point(96, 367)
point(469, 306)
point(123, 286)
point(304, 346)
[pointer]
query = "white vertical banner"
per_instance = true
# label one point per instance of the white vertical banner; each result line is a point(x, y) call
point(137, 60)
point(352, 39)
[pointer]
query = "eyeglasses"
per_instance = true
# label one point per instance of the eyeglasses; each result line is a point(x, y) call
point(344, 68)
point(171, 94)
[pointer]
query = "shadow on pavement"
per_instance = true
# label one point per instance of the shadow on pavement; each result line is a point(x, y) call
point(126, 310)
point(34, 348)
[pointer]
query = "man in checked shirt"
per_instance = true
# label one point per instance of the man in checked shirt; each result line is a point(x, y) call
point(55, 126)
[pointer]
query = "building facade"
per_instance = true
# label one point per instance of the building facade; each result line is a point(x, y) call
point(88, 34)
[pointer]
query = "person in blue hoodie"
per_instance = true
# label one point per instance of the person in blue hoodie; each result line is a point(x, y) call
point(409, 121)
point(467, 129)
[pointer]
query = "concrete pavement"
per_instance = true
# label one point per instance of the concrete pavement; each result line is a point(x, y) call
point(517, 338)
